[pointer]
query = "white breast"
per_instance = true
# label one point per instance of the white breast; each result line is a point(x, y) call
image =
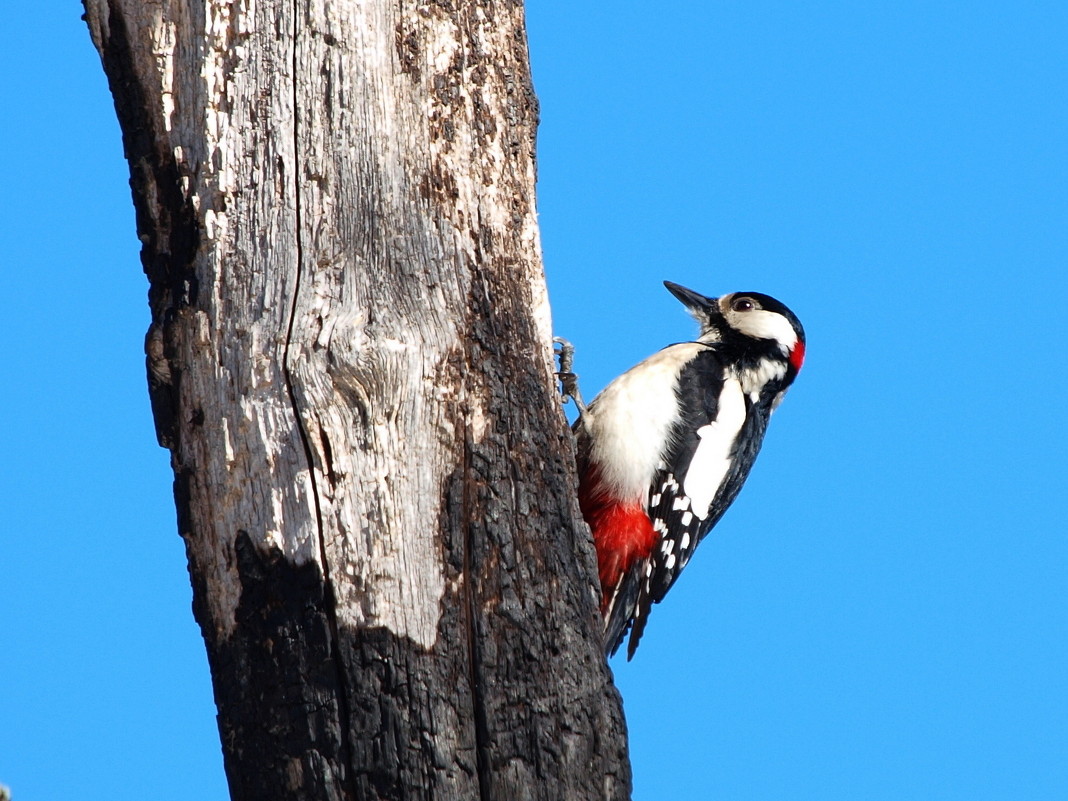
point(630, 421)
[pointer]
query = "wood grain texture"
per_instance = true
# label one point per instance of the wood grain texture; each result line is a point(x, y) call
point(349, 358)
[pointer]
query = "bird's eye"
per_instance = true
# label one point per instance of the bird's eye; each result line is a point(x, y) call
point(742, 304)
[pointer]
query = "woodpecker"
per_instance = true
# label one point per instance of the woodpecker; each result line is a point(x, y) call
point(664, 449)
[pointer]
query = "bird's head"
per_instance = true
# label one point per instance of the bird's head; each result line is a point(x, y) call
point(748, 321)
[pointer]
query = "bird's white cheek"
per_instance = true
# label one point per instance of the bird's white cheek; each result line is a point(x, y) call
point(766, 325)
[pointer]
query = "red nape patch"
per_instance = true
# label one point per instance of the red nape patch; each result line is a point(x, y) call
point(797, 356)
point(622, 533)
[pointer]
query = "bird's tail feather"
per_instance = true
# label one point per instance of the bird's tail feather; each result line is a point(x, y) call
point(619, 610)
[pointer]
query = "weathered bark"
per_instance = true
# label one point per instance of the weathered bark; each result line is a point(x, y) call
point(349, 360)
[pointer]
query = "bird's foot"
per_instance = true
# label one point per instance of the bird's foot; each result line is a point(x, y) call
point(569, 388)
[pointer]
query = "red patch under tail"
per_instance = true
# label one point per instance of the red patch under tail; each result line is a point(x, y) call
point(622, 532)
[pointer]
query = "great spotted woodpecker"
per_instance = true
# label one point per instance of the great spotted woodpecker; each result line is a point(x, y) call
point(665, 447)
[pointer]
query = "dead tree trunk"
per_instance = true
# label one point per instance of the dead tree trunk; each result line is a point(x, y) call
point(349, 361)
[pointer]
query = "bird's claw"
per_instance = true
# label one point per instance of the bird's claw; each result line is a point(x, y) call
point(565, 352)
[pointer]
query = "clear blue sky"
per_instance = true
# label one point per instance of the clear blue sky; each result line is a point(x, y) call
point(883, 613)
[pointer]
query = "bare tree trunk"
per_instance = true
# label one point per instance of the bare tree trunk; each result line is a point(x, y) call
point(349, 360)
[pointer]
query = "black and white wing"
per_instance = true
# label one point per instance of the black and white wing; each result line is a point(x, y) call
point(715, 441)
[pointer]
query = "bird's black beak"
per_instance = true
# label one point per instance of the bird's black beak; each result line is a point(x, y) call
point(692, 300)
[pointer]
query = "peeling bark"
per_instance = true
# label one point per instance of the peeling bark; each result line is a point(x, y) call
point(349, 359)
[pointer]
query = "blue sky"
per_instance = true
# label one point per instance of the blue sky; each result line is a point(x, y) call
point(882, 614)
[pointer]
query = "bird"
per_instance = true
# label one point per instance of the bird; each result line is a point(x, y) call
point(663, 450)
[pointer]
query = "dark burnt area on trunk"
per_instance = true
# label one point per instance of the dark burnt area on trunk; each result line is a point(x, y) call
point(166, 221)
